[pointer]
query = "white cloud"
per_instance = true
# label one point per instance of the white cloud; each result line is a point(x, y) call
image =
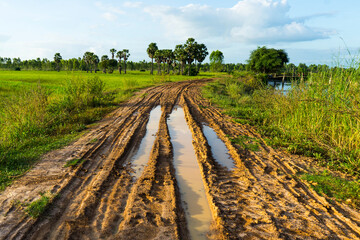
point(249, 21)
point(133, 4)
point(109, 16)
point(110, 11)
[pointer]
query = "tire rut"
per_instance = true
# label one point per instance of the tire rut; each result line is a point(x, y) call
point(261, 198)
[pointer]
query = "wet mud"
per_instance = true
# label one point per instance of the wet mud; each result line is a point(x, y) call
point(128, 184)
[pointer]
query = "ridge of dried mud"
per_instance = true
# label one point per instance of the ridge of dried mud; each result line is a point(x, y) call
point(100, 199)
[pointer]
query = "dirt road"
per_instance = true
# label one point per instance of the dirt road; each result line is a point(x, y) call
point(111, 194)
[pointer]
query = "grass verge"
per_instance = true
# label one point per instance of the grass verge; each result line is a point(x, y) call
point(319, 118)
point(341, 189)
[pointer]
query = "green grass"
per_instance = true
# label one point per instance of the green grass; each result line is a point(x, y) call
point(43, 110)
point(343, 190)
point(246, 143)
point(73, 162)
point(319, 118)
point(37, 207)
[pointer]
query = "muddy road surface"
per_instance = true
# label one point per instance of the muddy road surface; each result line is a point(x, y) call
point(162, 166)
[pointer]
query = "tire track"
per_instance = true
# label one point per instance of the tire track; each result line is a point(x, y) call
point(262, 198)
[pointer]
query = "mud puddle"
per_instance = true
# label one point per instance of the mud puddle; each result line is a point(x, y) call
point(139, 160)
point(218, 148)
point(197, 210)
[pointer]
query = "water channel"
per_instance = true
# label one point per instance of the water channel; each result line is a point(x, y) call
point(188, 176)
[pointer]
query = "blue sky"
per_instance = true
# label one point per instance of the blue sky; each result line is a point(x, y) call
point(310, 31)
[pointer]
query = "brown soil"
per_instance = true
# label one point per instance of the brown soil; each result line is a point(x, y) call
point(100, 199)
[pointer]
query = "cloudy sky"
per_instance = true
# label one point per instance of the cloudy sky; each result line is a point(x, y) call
point(311, 31)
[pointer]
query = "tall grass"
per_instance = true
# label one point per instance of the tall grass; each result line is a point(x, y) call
point(37, 120)
point(325, 109)
point(42, 110)
point(319, 117)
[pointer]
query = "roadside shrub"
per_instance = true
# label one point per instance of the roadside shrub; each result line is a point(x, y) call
point(81, 93)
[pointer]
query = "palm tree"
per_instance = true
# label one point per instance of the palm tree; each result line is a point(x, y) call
point(112, 51)
point(180, 55)
point(168, 58)
point(57, 60)
point(151, 52)
point(190, 49)
point(201, 53)
point(88, 60)
point(159, 57)
point(126, 55)
point(119, 55)
point(95, 61)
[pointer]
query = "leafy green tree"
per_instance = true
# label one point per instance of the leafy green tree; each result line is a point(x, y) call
point(151, 52)
point(126, 55)
point(267, 60)
point(290, 69)
point(112, 51)
point(57, 60)
point(216, 61)
point(104, 63)
point(180, 55)
point(112, 65)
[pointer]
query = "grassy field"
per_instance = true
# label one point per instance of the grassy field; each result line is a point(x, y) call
point(319, 118)
point(41, 111)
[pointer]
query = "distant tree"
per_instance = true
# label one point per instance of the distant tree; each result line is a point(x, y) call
point(87, 58)
point(302, 70)
point(190, 49)
point(201, 53)
point(126, 55)
point(180, 55)
point(216, 61)
point(112, 51)
point(112, 65)
point(267, 60)
point(159, 57)
point(94, 62)
point(104, 63)
point(291, 69)
point(168, 58)
point(151, 52)
point(57, 60)
point(119, 55)
point(313, 68)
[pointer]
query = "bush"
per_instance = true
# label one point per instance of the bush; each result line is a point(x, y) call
point(81, 93)
point(193, 71)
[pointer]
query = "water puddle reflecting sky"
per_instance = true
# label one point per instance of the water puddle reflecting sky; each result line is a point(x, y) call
point(188, 176)
point(140, 159)
point(218, 148)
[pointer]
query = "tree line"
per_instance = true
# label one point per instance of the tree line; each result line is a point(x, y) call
point(185, 58)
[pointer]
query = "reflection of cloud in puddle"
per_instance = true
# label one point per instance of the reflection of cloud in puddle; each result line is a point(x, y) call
point(188, 176)
point(139, 160)
point(218, 148)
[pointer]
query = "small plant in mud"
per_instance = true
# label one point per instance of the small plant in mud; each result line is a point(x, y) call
point(246, 142)
point(37, 207)
point(341, 189)
point(73, 162)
